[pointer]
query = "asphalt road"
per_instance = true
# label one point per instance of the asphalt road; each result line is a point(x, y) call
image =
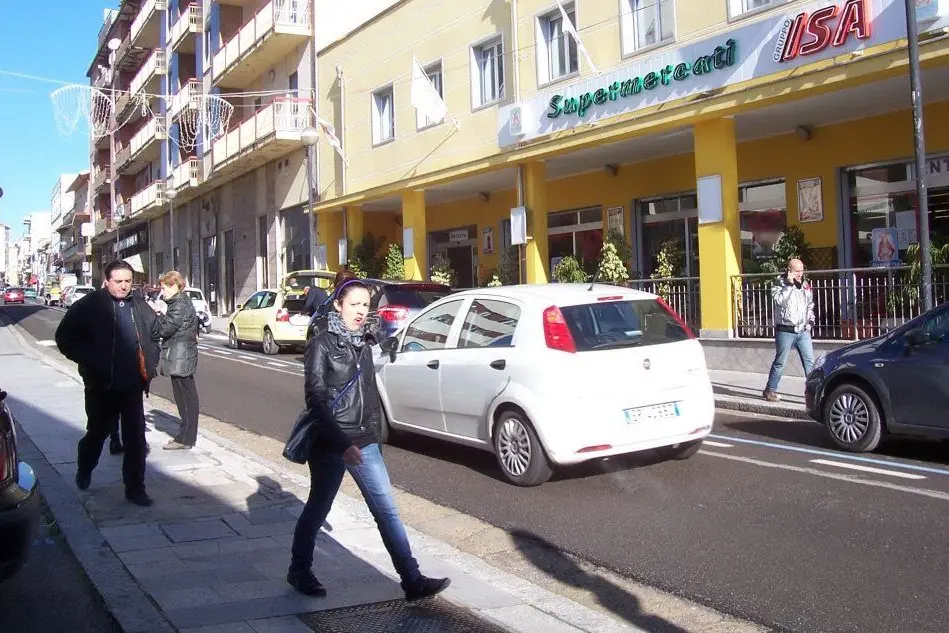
point(767, 522)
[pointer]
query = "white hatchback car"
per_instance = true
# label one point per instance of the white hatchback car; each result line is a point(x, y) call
point(549, 375)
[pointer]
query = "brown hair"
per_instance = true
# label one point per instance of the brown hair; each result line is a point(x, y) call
point(343, 276)
point(172, 278)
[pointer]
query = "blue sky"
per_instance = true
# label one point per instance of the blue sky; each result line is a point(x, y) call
point(60, 45)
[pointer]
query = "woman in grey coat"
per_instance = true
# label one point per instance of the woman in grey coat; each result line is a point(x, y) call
point(179, 356)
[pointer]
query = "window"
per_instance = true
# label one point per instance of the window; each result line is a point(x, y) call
point(262, 256)
point(293, 83)
point(487, 72)
point(489, 324)
point(430, 330)
point(159, 264)
point(937, 326)
point(645, 23)
point(268, 301)
point(763, 218)
point(578, 234)
point(737, 7)
point(383, 116)
point(434, 73)
point(556, 47)
point(254, 302)
point(296, 236)
point(174, 258)
point(618, 324)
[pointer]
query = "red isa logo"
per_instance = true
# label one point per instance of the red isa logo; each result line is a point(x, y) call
point(808, 34)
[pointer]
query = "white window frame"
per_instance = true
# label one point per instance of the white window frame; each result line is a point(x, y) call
point(542, 27)
point(477, 49)
point(375, 116)
point(629, 22)
point(436, 74)
point(743, 8)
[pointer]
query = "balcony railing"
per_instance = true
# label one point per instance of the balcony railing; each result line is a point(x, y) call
point(154, 66)
point(291, 17)
point(187, 97)
point(186, 174)
point(103, 78)
point(152, 131)
point(849, 304)
point(145, 13)
point(188, 22)
point(283, 119)
point(153, 194)
point(123, 153)
point(100, 177)
point(681, 293)
point(104, 225)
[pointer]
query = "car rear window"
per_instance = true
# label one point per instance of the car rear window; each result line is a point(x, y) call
point(617, 324)
point(294, 306)
point(412, 296)
point(194, 294)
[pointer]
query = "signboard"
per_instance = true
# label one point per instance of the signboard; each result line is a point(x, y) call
point(458, 235)
point(518, 226)
point(884, 243)
point(830, 26)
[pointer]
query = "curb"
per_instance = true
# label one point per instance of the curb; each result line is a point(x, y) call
point(750, 406)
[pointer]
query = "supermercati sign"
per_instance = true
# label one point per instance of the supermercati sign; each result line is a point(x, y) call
point(722, 57)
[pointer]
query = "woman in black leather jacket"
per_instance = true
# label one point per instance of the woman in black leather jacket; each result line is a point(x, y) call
point(179, 357)
point(341, 395)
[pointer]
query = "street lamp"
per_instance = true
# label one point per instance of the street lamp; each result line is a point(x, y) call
point(170, 194)
point(310, 136)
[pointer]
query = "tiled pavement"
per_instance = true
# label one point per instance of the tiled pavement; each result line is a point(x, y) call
point(211, 554)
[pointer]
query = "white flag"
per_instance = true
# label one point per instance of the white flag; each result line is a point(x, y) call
point(425, 98)
point(329, 133)
point(569, 28)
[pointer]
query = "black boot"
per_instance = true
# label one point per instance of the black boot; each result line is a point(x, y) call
point(115, 446)
point(425, 588)
point(306, 583)
point(139, 498)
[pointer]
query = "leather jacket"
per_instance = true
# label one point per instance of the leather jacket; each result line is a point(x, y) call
point(329, 364)
point(179, 333)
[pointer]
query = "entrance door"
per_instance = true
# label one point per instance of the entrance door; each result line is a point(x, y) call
point(669, 228)
point(229, 270)
point(210, 273)
point(461, 259)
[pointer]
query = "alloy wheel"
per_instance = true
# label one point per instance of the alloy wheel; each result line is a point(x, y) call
point(514, 447)
point(849, 418)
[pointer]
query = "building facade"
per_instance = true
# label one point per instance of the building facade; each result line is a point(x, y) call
point(61, 202)
point(5, 246)
point(34, 248)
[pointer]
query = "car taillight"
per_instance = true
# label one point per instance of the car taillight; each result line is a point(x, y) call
point(557, 332)
point(283, 315)
point(392, 313)
point(675, 316)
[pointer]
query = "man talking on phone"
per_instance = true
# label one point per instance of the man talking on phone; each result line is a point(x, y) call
point(793, 322)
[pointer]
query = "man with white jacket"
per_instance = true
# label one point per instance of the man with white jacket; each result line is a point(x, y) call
point(793, 322)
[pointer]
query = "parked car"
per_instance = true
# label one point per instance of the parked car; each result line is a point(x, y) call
point(270, 318)
point(20, 508)
point(201, 308)
point(14, 295)
point(53, 296)
point(393, 303)
point(295, 283)
point(549, 375)
point(895, 384)
point(30, 293)
point(74, 294)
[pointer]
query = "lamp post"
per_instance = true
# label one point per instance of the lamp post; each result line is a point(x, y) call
point(170, 195)
point(310, 137)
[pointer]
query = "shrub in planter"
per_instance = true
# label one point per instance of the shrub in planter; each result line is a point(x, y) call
point(569, 271)
point(442, 272)
point(394, 264)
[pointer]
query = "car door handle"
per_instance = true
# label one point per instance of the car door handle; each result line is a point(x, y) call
point(498, 364)
point(432, 364)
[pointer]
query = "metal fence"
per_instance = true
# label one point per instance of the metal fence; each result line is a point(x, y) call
point(681, 293)
point(849, 303)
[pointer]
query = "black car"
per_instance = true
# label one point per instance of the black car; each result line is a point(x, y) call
point(392, 303)
point(20, 509)
point(896, 384)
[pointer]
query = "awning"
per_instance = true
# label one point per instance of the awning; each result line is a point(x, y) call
point(135, 261)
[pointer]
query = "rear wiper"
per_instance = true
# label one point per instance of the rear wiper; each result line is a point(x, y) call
point(633, 342)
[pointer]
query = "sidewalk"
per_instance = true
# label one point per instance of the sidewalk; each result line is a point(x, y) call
point(211, 554)
point(741, 391)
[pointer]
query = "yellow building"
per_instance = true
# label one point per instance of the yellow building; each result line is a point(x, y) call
point(710, 124)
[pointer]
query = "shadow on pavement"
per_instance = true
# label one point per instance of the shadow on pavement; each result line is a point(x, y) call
point(617, 600)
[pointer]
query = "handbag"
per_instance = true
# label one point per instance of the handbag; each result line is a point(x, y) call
point(299, 444)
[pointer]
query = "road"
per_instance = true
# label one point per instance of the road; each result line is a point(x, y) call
point(767, 522)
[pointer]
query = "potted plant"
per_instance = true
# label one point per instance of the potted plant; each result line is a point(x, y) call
point(441, 271)
point(569, 271)
point(394, 264)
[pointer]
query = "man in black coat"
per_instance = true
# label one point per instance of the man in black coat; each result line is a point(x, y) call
point(112, 334)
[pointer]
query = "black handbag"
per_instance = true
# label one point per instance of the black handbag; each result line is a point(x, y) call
point(299, 445)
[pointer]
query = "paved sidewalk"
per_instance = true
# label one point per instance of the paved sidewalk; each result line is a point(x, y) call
point(211, 554)
point(741, 391)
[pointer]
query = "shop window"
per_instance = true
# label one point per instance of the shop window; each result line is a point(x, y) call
point(645, 23)
point(487, 72)
point(383, 116)
point(434, 74)
point(669, 228)
point(763, 218)
point(737, 7)
point(556, 48)
point(577, 234)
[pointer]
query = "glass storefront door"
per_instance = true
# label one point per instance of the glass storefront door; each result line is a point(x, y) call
point(669, 225)
point(578, 234)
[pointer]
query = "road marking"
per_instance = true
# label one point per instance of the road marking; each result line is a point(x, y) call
point(277, 364)
point(222, 352)
point(232, 359)
point(867, 469)
point(247, 357)
point(853, 458)
point(46, 343)
point(200, 346)
point(717, 444)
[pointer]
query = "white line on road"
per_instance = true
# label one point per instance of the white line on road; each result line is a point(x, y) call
point(276, 364)
point(247, 357)
point(867, 469)
point(256, 364)
point(46, 343)
point(222, 352)
point(717, 444)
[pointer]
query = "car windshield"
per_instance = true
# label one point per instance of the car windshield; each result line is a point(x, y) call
point(194, 295)
point(616, 324)
point(412, 296)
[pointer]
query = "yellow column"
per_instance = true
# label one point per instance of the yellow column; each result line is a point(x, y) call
point(719, 242)
point(329, 230)
point(413, 217)
point(537, 258)
point(354, 225)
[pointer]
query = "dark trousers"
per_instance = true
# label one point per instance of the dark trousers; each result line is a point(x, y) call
point(104, 410)
point(186, 397)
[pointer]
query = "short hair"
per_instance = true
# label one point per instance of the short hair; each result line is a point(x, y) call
point(172, 278)
point(117, 265)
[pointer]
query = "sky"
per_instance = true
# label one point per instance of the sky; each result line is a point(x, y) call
point(33, 154)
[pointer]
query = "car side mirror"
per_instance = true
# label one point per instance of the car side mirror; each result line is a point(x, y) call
point(390, 346)
point(917, 337)
point(239, 307)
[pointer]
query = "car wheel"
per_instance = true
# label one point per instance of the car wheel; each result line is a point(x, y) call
point(519, 451)
point(270, 346)
point(232, 341)
point(682, 450)
point(853, 419)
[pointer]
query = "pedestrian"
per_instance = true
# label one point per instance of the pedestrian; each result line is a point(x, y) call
point(341, 395)
point(179, 356)
point(113, 336)
point(315, 297)
point(793, 322)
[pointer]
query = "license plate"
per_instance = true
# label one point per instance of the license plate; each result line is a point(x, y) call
point(652, 412)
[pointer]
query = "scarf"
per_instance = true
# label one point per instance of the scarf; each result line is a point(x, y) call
point(334, 324)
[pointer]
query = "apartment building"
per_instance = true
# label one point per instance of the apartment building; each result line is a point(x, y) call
point(699, 129)
point(75, 229)
point(5, 245)
point(34, 249)
point(61, 202)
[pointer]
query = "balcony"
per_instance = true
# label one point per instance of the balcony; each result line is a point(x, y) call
point(187, 97)
point(143, 147)
point(100, 177)
point(186, 174)
point(147, 78)
point(189, 22)
point(104, 225)
point(146, 27)
point(76, 252)
point(273, 33)
point(272, 131)
point(103, 78)
point(148, 200)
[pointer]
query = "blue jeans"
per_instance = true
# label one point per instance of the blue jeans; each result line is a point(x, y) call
point(372, 478)
point(783, 342)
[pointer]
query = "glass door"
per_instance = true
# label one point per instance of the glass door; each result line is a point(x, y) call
point(669, 231)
